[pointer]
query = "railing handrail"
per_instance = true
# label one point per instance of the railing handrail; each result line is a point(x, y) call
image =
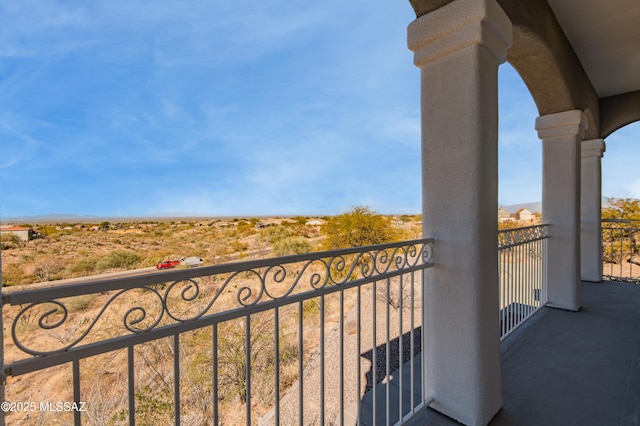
point(620, 220)
point(522, 275)
point(620, 249)
point(512, 237)
point(372, 263)
point(30, 295)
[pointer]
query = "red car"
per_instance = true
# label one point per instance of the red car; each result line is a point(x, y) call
point(167, 264)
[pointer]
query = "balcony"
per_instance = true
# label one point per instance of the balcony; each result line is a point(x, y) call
point(263, 341)
point(572, 368)
point(324, 338)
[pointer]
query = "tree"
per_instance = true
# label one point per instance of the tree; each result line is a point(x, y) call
point(619, 236)
point(357, 228)
point(622, 208)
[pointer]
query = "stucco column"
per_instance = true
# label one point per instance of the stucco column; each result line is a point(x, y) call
point(561, 134)
point(458, 49)
point(591, 210)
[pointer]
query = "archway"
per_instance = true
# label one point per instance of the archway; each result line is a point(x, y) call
point(519, 150)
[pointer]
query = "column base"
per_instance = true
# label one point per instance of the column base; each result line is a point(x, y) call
point(563, 307)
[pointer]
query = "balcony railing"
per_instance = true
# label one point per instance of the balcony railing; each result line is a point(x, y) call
point(522, 274)
point(298, 339)
point(621, 250)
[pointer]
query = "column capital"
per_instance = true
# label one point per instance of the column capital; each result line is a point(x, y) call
point(458, 25)
point(593, 148)
point(567, 123)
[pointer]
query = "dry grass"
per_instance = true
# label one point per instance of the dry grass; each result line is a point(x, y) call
point(104, 378)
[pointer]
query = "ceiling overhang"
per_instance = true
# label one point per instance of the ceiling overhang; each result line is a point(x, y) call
point(575, 54)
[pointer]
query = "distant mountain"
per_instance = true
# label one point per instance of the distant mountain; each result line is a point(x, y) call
point(50, 218)
point(537, 206)
point(532, 207)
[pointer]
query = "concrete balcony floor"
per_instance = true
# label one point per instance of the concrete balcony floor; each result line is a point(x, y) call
point(572, 368)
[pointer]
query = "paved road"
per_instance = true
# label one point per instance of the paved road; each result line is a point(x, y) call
point(248, 255)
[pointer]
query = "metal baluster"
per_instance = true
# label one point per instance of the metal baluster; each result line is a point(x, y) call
point(76, 391)
point(300, 366)
point(342, 378)
point(387, 353)
point(131, 385)
point(214, 372)
point(359, 350)
point(400, 348)
point(411, 343)
point(176, 375)
point(321, 360)
point(374, 348)
point(247, 354)
point(276, 348)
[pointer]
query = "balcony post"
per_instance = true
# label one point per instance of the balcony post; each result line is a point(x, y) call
point(591, 210)
point(458, 48)
point(561, 134)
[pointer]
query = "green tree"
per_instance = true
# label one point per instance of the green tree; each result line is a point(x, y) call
point(622, 208)
point(358, 227)
point(619, 237)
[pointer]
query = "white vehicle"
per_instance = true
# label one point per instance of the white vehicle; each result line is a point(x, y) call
point(192, 261)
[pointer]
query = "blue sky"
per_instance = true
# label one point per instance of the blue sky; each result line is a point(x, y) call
point(211, 107)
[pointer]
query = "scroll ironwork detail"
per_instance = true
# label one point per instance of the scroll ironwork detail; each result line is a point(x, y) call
point(146, 308)
point(513, 237)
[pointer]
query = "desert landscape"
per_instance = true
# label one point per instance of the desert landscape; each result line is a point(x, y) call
point(73, 253)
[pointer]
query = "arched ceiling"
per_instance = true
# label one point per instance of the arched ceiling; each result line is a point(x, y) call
point(575, 54)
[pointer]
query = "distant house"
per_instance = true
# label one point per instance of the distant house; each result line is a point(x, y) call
point(523, 215)
point(503, 215)
point(23, 233)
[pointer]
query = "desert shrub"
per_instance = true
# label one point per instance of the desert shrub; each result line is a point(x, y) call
point(245, 228)
point(311, 308)
point(275, 233)
point(13, 275)
point(357, 228)
point(81, 303)
point(47, 230)
point(507, 224)
point(118, 259)
point(47, 268)
point(300, 220)
point(153, 407)
point(83, 265)
point(292, 245)
point(237, 246)
point(232, 359)
point(10, 241)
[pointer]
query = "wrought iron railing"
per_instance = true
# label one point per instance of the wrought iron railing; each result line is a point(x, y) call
point(297, 338)
point(522, 274)
point(621, 250)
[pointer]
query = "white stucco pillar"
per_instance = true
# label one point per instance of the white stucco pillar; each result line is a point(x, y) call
point(561, 134)
point(458, 49)
point(591, 210)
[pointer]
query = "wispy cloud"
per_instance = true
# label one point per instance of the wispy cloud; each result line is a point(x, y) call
point(32, 28)
point(218, 107)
